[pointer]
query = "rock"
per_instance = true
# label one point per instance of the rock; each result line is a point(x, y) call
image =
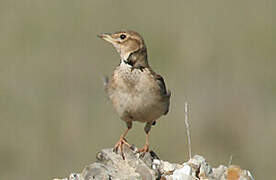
point(111, 166)
point(200, 168)
point(184, 173)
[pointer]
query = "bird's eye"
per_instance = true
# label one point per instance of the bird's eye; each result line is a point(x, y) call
point(123, 36)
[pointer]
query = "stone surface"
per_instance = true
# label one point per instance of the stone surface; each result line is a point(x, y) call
point(111, 166)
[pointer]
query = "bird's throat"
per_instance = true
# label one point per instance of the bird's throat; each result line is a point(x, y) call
point(137, 59)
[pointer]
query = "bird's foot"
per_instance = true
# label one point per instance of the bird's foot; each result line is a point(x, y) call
point(143, 150)
point(119, 145)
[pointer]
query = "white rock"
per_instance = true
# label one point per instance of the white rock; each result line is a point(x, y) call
point(250, 175)
point(187, 169)
point(183, 173)
point(168, 167)
point(156, 161)
point(74, 176)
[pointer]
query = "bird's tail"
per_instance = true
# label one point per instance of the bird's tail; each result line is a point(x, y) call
point(168, 95)
point(105, 82)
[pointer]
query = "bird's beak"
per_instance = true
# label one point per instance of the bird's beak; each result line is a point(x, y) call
point(107, 37)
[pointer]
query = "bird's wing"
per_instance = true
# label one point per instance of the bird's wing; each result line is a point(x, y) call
point(161, 84)
point(166, 93)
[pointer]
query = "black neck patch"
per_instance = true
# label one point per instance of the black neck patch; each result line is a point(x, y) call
point(128, 62)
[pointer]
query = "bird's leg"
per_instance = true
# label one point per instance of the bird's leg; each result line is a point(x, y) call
point(146, 146)
point(122, 140)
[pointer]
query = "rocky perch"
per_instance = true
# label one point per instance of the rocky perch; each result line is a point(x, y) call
point(111, 166)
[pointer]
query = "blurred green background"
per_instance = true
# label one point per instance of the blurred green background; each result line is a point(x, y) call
point(215, 54)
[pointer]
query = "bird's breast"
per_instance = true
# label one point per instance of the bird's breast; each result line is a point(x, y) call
point(135, 94)
point(133, 81)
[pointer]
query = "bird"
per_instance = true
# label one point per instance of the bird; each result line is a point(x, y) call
point(137, 93)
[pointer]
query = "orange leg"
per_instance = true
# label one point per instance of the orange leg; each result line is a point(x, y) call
point(146, 146)
point(122, 140)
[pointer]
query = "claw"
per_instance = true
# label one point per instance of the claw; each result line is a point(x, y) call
point(144, 150)
point(119, 145)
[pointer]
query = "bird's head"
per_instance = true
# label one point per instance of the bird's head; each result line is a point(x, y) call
point(125, 42)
